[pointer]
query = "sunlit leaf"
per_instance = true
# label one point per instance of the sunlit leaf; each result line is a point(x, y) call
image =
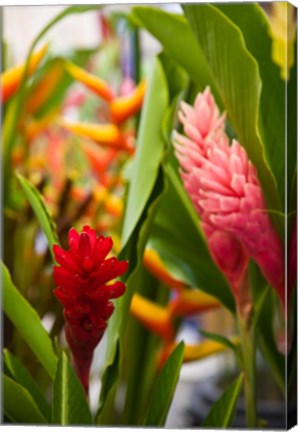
point(69, 401)
point(27, 323)
point(183, 47)
point(164, 389)
point(41, 212)
point(149, 150)
point(223, 411)
point(18, 404)
point(19, 373)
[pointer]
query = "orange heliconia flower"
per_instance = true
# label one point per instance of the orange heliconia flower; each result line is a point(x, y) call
point(11, 79)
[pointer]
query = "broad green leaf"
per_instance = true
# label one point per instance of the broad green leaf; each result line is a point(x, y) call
point(118, 322)
point(255, 27)
point(174, 33)
point(141, 348)
point(222, 412)
point(145, 188)
point(165, 388)
point(178, 238)
point(292, 137)
point(266, 339)
point(69, 401)
point(238, 82)
point(20, 374)
point(27, 323)
point(18, 404)
point(218, 338)
point(41, 212)
point(150, 148)
point(265, 303)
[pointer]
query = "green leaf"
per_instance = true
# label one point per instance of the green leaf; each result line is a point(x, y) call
point(118, 322)
point(20, 374)
point(27, 323)
point(238, 81)
point(292, 137)
point(69, 401)
point(150, 148)
point(18, 404)
point(141, 348)
point(183, 47)
point(218, 338)
point(165, 388)
point(255, 27)
point(266, 340)
point(36, 201)
point(178, 238)
point(222, 412)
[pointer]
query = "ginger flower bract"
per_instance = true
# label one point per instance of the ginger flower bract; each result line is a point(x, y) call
point(85, 290)
point(225, 190)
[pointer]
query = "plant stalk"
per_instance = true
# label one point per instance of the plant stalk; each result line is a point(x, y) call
point(246, 326)
point(248, 361)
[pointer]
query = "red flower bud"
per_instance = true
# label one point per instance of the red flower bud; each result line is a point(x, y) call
point(84, 290)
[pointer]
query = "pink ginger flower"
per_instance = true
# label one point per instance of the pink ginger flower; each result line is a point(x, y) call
point(224, 188)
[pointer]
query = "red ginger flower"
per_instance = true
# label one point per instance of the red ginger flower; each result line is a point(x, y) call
point(84, 290)
point(226, 192)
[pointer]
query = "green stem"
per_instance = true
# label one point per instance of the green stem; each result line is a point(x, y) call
point(248, 360)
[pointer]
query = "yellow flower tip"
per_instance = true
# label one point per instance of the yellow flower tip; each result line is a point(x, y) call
point(44, 88)
point(283, 32)
point(192, 301)
point(95, 84)
point(192, 352)
point(154, 317)
point(154, 265)
point(126, 106)
point(202, 350)
point(106, 135)
point(11, 79)
point(100, 193)
point(114, 205)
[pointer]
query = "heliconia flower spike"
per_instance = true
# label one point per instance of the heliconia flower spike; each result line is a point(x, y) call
point(153, 316)
point(154, 264)
point(224, 187)
point(126, 106)
point(45, 88)
point(11, 79)
point(190, 301)
point(105, 135)
point(95, 84)
point(83, 287)
point(194, 352)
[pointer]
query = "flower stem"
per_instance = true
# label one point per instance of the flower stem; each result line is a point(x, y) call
point(248, 361)
point(247, 349)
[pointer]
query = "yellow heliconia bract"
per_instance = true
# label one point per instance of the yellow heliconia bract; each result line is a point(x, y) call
point(154, 317)
point(126, 106)
point(154, 264)
point(43, 90)
point(283, 32)
point(107, 135)
point(192, 301)
point(95, 84)
point(11, 79)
